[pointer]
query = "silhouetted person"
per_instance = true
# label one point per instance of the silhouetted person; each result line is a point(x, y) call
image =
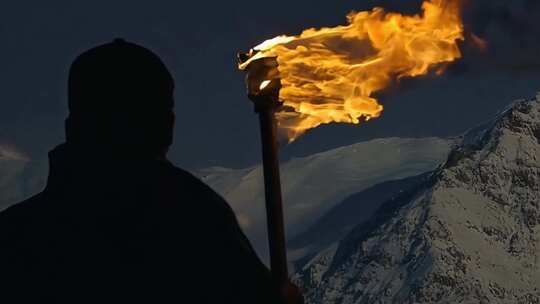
point(117, 222)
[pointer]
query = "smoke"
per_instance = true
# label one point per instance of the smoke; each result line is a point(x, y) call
point(511, 30)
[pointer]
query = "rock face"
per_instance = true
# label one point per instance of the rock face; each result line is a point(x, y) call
point(340, 220)
point(469, 234)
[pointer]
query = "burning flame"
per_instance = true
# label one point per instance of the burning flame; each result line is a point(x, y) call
point(331, 74)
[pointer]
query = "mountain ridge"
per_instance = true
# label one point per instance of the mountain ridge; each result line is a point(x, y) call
point(468, 235)
point(314, 185)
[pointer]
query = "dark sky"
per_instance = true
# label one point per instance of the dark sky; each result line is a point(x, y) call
point(198, 41)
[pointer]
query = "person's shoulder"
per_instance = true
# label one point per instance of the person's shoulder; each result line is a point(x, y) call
point(182, 175)
point(20, 214)
point(190, 185)
point(186, 180)
point(23, 208)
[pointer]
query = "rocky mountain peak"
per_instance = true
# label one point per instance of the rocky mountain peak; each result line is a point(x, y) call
point(468, 234)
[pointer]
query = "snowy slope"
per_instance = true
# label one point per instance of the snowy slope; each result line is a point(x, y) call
point(19, 177)
point(340, 220)
point(11, 169)
point(19, 180)
point(469, 234)
point(314, 185)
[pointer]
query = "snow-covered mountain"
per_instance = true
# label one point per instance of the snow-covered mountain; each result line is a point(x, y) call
point(19, 177)
point(315, 185)
point(340, 220)
point(469, 233)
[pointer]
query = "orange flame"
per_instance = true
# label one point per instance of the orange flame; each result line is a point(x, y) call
point(331, 74)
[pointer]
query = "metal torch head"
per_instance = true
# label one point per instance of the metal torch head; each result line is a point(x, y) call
point(262, 81)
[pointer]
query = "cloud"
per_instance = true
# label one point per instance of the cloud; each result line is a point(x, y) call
point(11, 153)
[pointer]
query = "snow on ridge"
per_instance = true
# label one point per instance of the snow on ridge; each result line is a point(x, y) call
point(469, 235)
point(314, 184)
point(474, 135)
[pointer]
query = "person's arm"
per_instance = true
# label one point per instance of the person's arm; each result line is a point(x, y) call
point(232, 270)
point(249, 279)
point(252, 277)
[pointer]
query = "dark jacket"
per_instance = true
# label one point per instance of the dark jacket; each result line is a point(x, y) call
point(126, 231)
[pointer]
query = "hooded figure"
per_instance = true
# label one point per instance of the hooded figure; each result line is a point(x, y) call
point(117, 222)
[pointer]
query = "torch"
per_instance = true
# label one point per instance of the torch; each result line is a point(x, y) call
point(263, 85)
point(324, 82)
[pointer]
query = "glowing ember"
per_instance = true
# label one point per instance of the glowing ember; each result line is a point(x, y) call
point(331, 74)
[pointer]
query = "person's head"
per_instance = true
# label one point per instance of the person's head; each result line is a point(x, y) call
point(120, 98)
